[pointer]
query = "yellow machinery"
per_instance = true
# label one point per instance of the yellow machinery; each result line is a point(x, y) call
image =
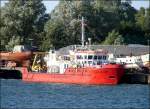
point(38, 63)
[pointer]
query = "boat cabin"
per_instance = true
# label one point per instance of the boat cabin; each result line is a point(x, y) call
point(91, 58)
point(78, 58)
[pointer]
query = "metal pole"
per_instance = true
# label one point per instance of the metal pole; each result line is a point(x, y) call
point(82, 29)
point(89, 39)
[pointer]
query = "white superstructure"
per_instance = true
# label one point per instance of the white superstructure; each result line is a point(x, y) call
point(79, 58)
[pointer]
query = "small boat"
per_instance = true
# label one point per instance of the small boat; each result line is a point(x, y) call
point(15, 56)
point(20, 55)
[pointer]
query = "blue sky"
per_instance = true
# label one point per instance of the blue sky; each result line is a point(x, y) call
point(50, 4)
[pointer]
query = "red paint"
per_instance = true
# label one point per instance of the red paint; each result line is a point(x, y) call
point(105, 74)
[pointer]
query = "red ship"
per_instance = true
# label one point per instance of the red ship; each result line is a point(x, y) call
point(106, 74)
point(85, 67)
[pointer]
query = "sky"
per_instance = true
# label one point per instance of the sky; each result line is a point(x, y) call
point(50, 4)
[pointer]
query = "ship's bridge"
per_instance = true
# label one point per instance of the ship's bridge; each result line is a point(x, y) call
point(90, 57)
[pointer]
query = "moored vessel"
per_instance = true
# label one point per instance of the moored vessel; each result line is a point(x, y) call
point(80, 67)
point(17, 56)
point(20, 55)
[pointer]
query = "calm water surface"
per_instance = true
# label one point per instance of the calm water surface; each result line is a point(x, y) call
point(18, 94)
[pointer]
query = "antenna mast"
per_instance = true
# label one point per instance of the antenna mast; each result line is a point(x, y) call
point(82, 29)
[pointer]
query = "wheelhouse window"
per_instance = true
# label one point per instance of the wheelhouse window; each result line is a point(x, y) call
point(99, 57)
point(94, 63)
point(90, 57)
point(104, 57)
point(66, 58)
point(95, 57)
point(85, 57)
point(65, 66)
point(79, 57)
point(89, 62)
point(99, 63)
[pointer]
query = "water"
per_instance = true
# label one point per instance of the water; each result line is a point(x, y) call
point(17, 94)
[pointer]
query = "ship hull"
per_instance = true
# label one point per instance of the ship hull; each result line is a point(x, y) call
point(110, 74)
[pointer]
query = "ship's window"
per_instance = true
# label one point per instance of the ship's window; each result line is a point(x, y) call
point(94, 63)
point(99, 57)
point(66, 58)
point(89, 62)
point(99, 63)
point(65, 66)
point(95, 57)
point(104, 57)
point(79, 57)
point(90, 57)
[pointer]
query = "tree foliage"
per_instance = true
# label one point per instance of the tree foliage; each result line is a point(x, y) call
point(114, 38)
point(22, 19)
point(143, 21)
point(106, 22)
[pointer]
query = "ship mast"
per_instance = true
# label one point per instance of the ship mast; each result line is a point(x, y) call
point(82, 29)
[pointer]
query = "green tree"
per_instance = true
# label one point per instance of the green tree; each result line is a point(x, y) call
point(132, 23)
point(141, 18)
point(126, 12)
point(55, 35)
point(22, 18)
point(119, 40)
point(69, 13)
point(2, 39)
point(112, 38)
point(13, 41)
point(101, 17)
point(143, 21)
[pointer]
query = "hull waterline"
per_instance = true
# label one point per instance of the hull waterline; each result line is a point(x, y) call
point(108, 74)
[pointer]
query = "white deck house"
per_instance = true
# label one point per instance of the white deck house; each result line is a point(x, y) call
point(133, 55)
